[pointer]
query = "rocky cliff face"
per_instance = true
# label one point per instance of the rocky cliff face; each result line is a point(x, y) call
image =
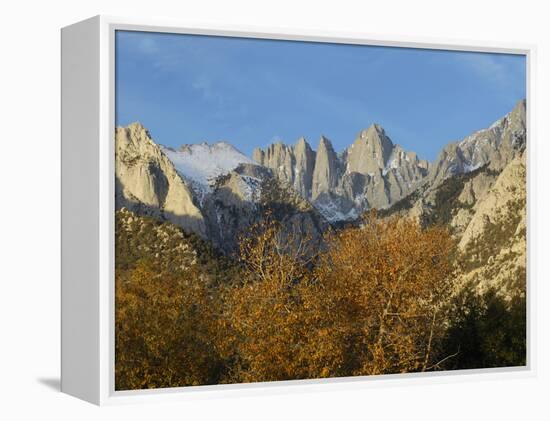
point(292, 164)
point(465, 171)
point(376, 173)
point(371, 173)
point(493, 246)
point(305, 164)
point(147, 182)
point(211, 190)
point(325, 173)
point(495, 146)
point(245, 195)
point(380, 172)
point(370, 152)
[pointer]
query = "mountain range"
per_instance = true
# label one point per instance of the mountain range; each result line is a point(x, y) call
point(216, 191)
point(370, 173)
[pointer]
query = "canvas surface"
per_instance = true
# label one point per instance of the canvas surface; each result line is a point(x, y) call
point(290, 210)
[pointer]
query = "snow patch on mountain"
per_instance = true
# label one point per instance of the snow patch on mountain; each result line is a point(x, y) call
point(251, 188)
point(202, 163)
point(333, 211)
point(469, 167)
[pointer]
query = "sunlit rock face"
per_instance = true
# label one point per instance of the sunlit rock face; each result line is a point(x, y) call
point(371, 173)
point(148, 183)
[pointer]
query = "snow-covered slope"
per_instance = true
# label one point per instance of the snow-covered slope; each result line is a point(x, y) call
point(202, 163)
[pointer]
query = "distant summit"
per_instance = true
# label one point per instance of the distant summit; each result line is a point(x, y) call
point(372, 172)
point(203, 162)
point(496, 146)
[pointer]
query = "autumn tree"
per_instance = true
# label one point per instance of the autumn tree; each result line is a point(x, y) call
point(264, 312)
point(370, 300)
point(165, 329)
point(382, 288)
point(373, 303)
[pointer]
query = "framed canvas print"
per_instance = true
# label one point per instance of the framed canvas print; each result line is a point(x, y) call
point(245, 209)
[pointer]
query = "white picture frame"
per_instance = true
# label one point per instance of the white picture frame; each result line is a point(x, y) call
point(88, 126)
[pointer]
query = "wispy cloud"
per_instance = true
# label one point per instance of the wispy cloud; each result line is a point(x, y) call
point(204, 86)
point(148, 46)
point(503, 71)
point(485, 65)
point(169, 52)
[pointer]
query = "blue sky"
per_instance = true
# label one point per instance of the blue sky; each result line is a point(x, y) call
point(189, 89)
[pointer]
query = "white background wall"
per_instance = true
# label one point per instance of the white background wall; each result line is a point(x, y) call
point(29, 208)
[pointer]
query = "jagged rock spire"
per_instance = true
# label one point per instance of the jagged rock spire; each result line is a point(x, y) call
point(304, 165)
point(370, 151)
point(325, 174)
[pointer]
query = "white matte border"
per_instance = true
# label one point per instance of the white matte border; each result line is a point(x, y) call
point(108, 26)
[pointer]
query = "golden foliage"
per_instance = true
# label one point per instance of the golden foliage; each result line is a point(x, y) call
point(165, 330)
point(371, 301)
point(382, 288)
point(371, 304)
point(265, 311)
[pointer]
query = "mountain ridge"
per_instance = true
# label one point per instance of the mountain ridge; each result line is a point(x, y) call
point(203, 190)
point(373, 172)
